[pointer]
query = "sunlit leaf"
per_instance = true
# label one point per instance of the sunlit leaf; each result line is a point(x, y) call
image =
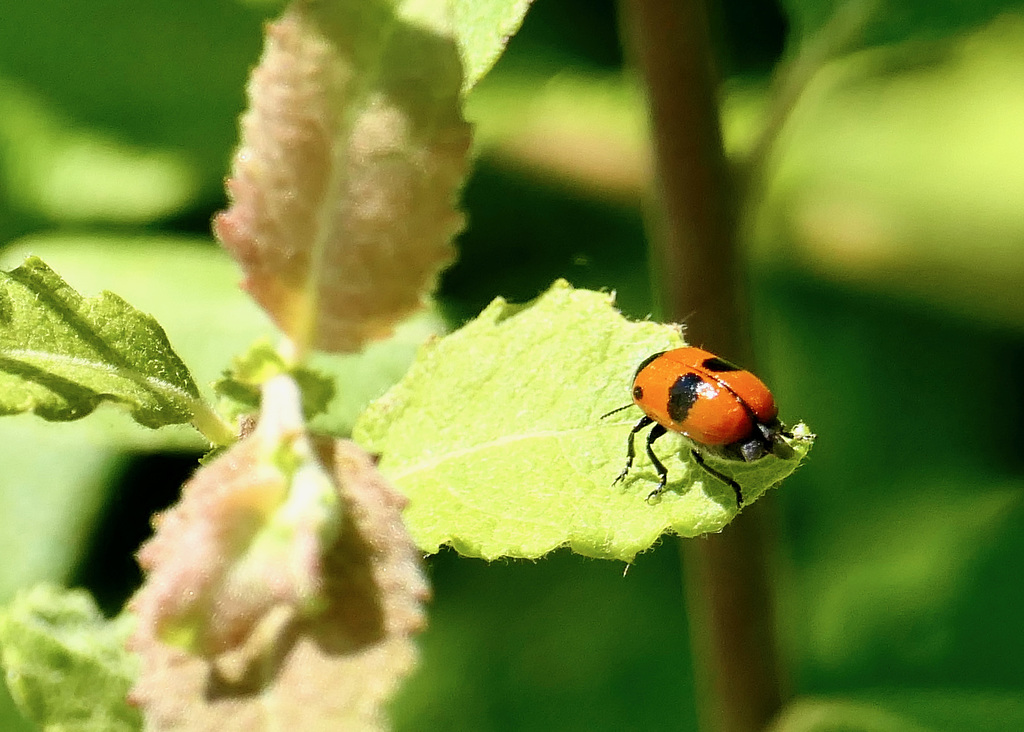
point(496, 437)
point(61, 354)
point(483, 28)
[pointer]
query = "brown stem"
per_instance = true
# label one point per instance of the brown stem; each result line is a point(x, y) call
point(695, 266)
point(693, 252)
point(729, 598)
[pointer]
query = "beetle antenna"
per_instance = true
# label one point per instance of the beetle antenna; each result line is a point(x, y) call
point(609, 414)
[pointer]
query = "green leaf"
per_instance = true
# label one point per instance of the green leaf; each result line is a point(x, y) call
point(61, 355)
point(239, 387)
point(188, 284)
point(66, 666)
point(892, 167)
point(482, 29)
point(53, 486)
point(496, 437)
point(72, 143)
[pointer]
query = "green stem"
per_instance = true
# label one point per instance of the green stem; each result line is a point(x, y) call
point(695, 266)
point(211, 425)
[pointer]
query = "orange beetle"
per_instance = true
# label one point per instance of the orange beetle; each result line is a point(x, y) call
point(721, 408)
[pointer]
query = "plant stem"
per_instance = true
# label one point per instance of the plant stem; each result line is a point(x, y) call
point(693, 252)
point(729, 599)
point(695, 267)
point(211, 426)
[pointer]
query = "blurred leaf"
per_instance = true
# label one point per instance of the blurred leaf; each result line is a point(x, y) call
point(881, 600)
point(898, 173)
point(905, 710)
point(483, 28)
point(496, 438)
point(980, 710)
point(66, 665)
point(62, 354)
point(888, 21)
point(68, 173)
point(52, 487)
point(904, 576)
point(148, 86)
point(839, 715)
point(343, 191)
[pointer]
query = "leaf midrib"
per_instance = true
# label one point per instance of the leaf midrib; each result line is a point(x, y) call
point(479, 447)
point(162, 389)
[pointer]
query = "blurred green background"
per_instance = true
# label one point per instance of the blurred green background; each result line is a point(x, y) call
point(886, 256)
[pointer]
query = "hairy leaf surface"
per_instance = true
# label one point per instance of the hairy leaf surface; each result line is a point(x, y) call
point(66, 666)
point(62, 354)
point(353, 151)
point(282, 591)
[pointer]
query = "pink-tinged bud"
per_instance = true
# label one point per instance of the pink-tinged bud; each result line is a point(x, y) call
point(283, 574)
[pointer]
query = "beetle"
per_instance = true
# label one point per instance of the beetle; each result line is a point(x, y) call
point(723, 409)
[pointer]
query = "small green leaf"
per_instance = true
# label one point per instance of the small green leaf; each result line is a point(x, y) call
point(496, 437)
point(66, 666)
point(61, 354)
point(240, 385)
point(482, 29)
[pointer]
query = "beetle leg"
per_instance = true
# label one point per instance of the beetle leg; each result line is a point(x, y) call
point(724, 478)
point(656, 432)
point(630, 452)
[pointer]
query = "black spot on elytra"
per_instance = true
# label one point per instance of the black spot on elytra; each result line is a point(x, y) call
point(682, 395)
point(718, 365)
point(647, 361)
point(638, 393)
